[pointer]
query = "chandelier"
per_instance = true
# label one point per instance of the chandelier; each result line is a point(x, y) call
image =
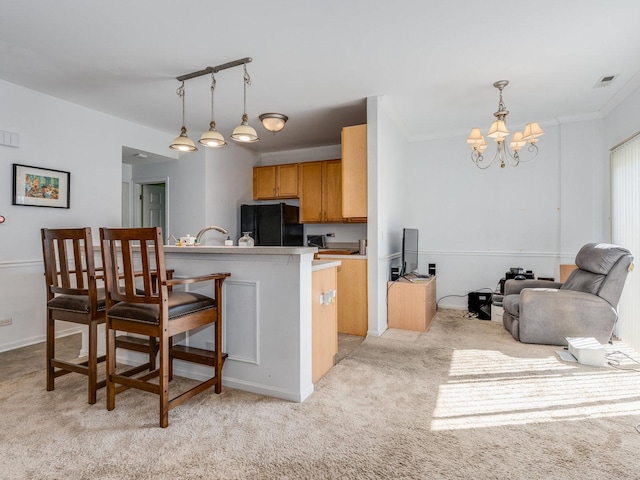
point(498, 131)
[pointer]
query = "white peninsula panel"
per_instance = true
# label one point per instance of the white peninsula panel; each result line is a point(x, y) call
point(266, 314)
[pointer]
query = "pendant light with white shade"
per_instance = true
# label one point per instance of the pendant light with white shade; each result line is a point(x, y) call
point(212, 138)
point(245, 133)
point(183, 143)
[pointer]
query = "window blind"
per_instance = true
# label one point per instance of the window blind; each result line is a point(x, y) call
point(625, 231)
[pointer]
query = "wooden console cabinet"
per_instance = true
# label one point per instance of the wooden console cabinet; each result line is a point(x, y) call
point(411, 306)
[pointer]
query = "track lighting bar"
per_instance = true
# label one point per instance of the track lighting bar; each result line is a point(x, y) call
point(216, 69)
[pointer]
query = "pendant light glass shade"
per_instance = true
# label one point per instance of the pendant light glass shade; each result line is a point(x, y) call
point(183, 143)
point(212, 138)
point(244, 132)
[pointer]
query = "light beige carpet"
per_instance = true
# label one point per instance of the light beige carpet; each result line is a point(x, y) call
point(464, 400)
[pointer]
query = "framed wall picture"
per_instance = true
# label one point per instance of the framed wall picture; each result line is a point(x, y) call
point(40, 187)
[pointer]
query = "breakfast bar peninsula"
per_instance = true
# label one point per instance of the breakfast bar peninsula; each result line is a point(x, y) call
point(267, 327)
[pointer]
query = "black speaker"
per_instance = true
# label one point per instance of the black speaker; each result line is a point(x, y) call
point(432, 269)
point(395, 273)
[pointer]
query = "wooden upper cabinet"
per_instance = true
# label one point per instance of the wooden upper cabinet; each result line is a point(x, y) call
point(287, 180)
point(275, 181)
point(333, 191)
point(264, 182)
point(354, 172)
point(310, 183)
point(320, 191)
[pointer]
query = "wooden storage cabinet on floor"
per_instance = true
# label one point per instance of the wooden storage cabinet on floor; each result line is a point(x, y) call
point(354, 173)
point(324, 334)
point(353, 312)
point(320, 188)
point(412, 306)
point(275, 181)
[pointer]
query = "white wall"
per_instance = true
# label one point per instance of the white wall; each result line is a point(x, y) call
point(388, 168)
point(63, 136)
point(623, 121)
point(584, 168)
point(228, 185)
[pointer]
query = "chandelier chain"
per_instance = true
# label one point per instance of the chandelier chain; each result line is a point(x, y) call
point(501, 105)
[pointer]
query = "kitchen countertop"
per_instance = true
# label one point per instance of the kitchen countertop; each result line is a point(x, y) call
point(241, 250)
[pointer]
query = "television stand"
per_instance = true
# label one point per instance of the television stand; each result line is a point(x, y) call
point(411, 303)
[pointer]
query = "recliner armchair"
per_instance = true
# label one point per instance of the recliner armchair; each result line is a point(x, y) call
point(545, 312)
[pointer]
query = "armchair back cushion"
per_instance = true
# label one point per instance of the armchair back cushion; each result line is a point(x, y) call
point(602, 271)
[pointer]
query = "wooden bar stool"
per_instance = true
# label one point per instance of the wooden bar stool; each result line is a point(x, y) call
point(73, 296)
point(134, 306)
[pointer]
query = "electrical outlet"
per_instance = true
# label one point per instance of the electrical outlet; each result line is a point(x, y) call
point(5, 321)
point(209, 345)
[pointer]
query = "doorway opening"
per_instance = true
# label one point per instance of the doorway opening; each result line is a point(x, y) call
point(145, 195)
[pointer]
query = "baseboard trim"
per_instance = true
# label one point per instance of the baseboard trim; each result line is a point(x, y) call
point(25, 342)
point(198, 372)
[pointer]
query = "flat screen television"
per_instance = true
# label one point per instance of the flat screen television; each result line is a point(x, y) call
point(409, 251)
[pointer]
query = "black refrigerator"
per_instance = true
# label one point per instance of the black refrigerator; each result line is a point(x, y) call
point(272, 225)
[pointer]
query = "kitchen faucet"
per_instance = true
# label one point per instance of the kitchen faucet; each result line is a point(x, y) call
point(212, 227)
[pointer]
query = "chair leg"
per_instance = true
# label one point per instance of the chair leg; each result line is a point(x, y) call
point(218, 360)
point(170, 359)
point(51, 350)
point(165, 362)
point(111, 366)
point(153, 353)
point(92, 361)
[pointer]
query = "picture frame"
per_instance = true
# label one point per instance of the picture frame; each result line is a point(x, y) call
point(41, 187)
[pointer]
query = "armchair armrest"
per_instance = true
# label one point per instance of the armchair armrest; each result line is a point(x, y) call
point(548, 316)
point(512, 287)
